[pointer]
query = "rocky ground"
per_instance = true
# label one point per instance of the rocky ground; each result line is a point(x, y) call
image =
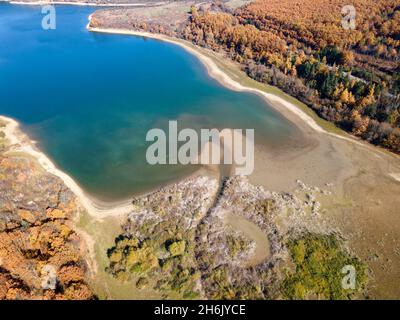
point(202, 237)
point(95, 2)
point(41, 256)
point(177, 241)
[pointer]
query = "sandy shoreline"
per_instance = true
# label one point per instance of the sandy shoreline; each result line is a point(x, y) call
point(21, 143)
point(99, 209)
point(364, 182)
point(395, 176)
point(216, 73)
point(272, 100)
point(300, 117)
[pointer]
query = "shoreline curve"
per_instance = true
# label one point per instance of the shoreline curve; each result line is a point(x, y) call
point(96, 208)
point(224, 79)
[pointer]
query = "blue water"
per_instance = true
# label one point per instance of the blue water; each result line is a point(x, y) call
point(89, 99)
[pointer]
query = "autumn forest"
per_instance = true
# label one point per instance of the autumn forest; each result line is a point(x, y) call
point(349, 77)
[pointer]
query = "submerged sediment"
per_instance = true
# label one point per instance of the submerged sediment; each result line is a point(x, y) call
point(177, 242)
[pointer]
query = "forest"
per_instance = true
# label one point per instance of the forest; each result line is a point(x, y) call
point(347, 76)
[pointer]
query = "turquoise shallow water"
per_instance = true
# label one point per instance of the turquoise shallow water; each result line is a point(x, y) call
point(89, 99)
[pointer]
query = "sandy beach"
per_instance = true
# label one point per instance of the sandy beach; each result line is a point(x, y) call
point(364, 179)
point(216, 73)
point(98, 209)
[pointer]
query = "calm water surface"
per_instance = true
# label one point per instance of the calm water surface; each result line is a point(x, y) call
point(89, 99)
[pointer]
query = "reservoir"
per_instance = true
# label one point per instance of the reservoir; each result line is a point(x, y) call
point(89, 99)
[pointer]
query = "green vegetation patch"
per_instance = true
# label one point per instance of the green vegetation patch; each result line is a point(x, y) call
point(168, 265)
point(176, 248)
point(319, 261)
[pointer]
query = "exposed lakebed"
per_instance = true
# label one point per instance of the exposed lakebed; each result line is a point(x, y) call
point(89, 99)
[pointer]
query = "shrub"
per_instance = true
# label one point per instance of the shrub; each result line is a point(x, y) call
point(319, 260)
